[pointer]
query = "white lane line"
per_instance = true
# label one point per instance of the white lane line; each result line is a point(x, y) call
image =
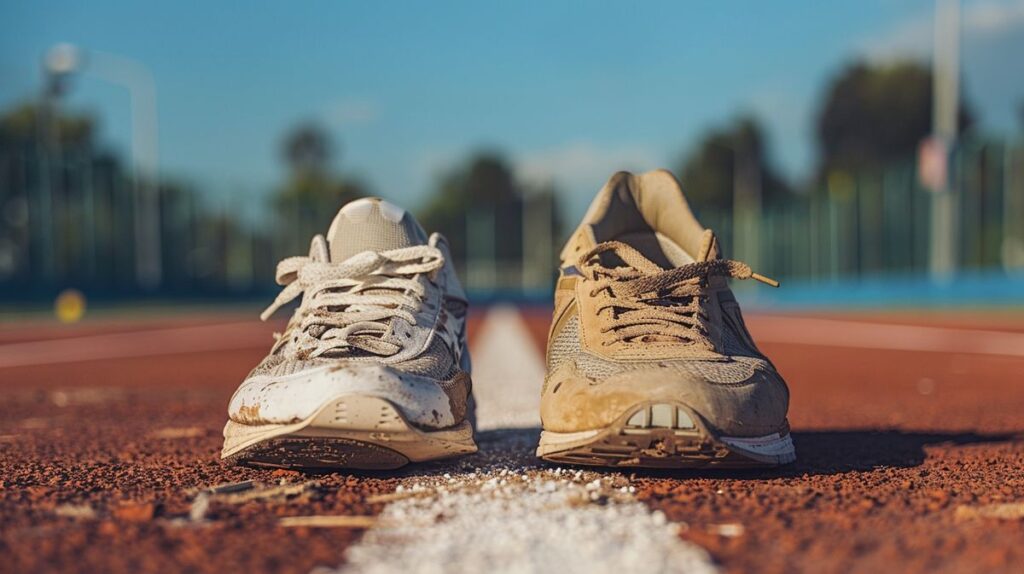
point(507, 372)
point(524, 525)
point(219, 337)
point(501, 510)
point(883, 336)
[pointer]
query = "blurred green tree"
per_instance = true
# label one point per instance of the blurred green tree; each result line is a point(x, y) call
point(480, 188)
point(480, 202)
point(44, 151)
point(709, 172)
point(876, 114)
point(21, 127)
point(67, 208)
point(313, 191)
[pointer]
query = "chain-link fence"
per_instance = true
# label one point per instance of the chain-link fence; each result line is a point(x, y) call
point(880, 223)
point(68, 220)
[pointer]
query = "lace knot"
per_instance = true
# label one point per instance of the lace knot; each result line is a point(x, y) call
point(352, 304)
point(646, 302)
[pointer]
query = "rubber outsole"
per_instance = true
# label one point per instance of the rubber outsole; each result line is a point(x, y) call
point(664, 435)
point(351, 432)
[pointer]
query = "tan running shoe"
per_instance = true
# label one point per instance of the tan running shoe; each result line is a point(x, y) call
point(649, 363)
point(372, 371)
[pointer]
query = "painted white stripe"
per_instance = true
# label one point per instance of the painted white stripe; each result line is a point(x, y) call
point(501, 511)
point(507, 372)
point(539, 524)
point(882, 336)
point(219, 337)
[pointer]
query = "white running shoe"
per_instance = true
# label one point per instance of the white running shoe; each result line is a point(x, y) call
point(372, 370)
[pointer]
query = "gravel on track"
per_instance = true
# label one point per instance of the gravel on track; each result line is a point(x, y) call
point(908, 461)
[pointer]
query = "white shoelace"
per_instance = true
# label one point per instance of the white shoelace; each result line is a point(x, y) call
point(350, 304)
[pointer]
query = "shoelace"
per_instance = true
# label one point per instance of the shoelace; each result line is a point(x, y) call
point(648, 302)
point(350, 304)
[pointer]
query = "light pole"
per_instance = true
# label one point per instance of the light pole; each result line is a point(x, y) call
point(56, 67)
point(747, 200)
point(64, 59)
point(945, 118)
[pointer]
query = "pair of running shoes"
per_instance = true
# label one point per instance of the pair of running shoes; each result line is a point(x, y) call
point(649, 362)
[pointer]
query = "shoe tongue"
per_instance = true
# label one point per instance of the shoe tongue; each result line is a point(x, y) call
point(372, 224)
point(623, 255)
point(708, 247)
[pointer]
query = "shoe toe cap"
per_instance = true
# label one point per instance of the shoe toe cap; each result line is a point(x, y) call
point(289, 399)
point(755, 405)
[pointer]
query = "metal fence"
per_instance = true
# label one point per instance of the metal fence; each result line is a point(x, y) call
point(880, 223)
point(69, 221)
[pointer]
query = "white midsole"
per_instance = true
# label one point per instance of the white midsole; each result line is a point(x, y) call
point(284, 399)
point(772, 448)
point(361, 418)
point(768, 445)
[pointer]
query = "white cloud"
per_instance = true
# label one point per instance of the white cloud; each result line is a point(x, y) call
point(578, 169)
point(578, 162)
point(979, 20)
point(912, 38)
point(435, 161)
point(349, 112)
point(993, 18)
point(787, 115)
point(992, 39)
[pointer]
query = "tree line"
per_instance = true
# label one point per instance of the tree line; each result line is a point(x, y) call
point(870, 116)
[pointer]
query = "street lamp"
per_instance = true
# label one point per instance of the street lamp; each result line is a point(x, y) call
point(61, 61)
point(945, 116)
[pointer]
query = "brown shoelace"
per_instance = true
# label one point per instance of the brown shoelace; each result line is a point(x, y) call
point(648, 303)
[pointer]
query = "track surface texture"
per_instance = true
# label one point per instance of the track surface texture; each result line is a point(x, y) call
point(910, 459)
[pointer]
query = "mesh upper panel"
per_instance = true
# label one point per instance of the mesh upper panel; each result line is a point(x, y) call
point(362, 226)
point(436, 363)
point(740, 365)
point(734, 344)
point(565, 344)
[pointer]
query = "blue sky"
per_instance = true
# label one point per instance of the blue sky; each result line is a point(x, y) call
point(570, 91)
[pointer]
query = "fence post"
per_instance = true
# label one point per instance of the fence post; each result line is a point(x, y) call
point(1012, 249)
